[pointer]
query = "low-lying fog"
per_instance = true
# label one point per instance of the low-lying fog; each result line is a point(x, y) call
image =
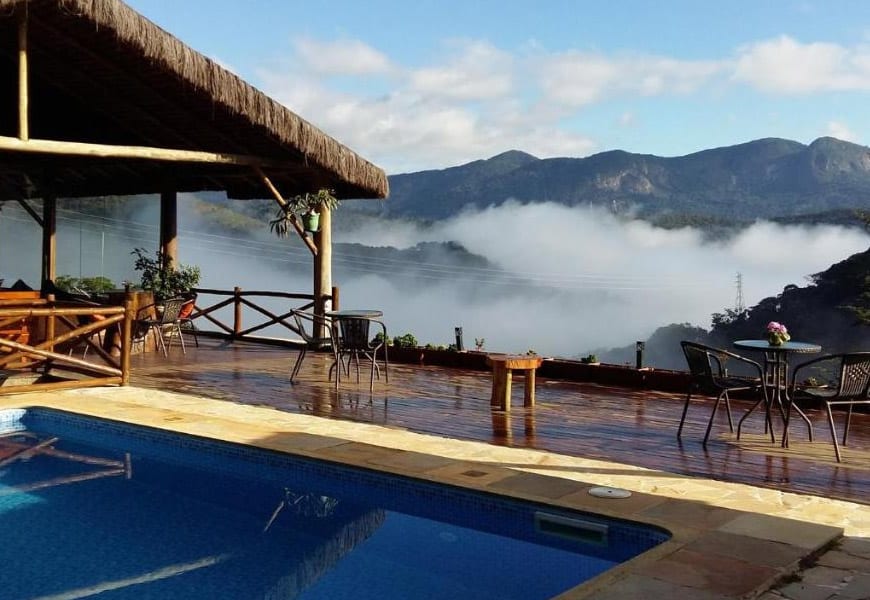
point(563, 280)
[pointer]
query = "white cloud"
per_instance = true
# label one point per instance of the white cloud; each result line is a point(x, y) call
point(478, 71)
point(578, 78)
point(841, 131)
point(584, 278)
point(341, 57)
point(785, 66)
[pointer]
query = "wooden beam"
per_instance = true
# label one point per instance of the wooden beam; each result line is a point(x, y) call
point(30, 211)
point(169, 227)
point(23, 93)
point(36, 146)
point(49, 238)
point(283, 204)
point(322, 269)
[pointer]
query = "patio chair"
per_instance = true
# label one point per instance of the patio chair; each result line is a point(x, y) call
point(850, 386)
point(304, 321)
point(165, 325)
point(185, 321)
point(709, 376)
point(353, 341)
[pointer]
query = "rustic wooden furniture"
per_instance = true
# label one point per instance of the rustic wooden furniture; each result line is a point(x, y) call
point(502, 367)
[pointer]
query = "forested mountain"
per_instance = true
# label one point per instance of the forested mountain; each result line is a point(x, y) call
point(767, 178)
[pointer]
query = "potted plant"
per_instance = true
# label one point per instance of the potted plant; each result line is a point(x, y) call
point(306, 209)
point(164, 280)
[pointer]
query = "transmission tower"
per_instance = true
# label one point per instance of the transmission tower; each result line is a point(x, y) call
point(739, 305)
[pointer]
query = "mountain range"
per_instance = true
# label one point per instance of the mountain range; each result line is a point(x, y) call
point(766, 178)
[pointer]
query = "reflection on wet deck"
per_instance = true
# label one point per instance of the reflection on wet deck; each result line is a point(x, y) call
point(617, 424)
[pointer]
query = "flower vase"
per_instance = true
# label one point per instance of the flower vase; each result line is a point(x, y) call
point(774, 339)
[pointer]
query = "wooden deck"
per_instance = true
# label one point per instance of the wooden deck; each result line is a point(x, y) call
point(616, 424)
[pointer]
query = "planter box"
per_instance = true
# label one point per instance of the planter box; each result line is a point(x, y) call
point(553, 368)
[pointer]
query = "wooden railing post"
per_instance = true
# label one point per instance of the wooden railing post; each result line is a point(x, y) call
point(335, 305)
point(126, 339)
point(237, 315)
point(50, 323)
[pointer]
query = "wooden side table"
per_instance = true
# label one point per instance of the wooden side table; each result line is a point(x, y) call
point(502, 367)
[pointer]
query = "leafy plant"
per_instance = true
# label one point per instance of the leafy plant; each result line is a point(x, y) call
point(88, 285)
point(589, 359)
point(165, 281)
point(405, 341)
point(299, 205)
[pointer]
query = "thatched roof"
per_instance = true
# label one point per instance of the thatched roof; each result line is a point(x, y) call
point(102, 73)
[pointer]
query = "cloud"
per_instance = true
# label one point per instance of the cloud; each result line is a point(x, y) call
point(477, 71)
point(841, 131)
point(473, 99)
point(580, 278)
point(786, 66)
point(581, 78)
point(341, 57)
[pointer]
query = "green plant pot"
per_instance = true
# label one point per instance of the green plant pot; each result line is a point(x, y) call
point(311, 222)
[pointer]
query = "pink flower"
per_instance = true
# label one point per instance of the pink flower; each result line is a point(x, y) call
point(774, 327)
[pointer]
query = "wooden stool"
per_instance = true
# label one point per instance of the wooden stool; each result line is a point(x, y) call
point(502, 365)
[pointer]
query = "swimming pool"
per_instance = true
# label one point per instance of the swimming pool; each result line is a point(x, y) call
point(90, 506)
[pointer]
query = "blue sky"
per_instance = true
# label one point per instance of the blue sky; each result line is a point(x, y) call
point(430, 84)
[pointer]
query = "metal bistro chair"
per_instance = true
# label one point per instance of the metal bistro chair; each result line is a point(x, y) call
point(163, 323)
point(709, 376)
point(850, 386)
point(352, 340)
point(304, 320)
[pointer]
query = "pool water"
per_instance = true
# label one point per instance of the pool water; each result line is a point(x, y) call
point(94, 508)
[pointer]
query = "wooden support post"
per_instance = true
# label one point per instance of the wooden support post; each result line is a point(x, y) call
point(50, 323)
point(169, 227)
point(49, 238)
point(23, 77)
point(237, 312)
point(127, 338)
point(323, 267)
point(336, 305)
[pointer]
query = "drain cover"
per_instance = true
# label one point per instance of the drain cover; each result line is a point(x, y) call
point(609, 492)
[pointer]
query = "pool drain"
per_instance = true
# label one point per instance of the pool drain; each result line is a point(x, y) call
point(609, 492)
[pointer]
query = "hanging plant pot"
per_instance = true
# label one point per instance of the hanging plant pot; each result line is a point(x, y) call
point(311, 222)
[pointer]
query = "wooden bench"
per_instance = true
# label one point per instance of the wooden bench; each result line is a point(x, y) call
point(502, 367)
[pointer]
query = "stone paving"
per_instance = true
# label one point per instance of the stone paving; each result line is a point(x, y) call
point(841, 573)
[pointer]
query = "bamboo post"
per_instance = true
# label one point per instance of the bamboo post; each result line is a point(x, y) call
point(50, 323)
point(322, 268)
point(126, 338)
point(237, 313)
point(23, 92)
point(49, 237)
point(169, 228)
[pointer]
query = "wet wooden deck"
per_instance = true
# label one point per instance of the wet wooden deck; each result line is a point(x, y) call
point(616, 424)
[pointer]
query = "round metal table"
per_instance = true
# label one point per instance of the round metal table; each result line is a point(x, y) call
point(359, 313)
point(776, 377)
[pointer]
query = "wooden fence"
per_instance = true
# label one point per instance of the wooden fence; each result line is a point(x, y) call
point(40, 353)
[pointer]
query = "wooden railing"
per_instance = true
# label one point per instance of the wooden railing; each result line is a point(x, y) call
point(55, 332)
point(43, 342)
point(234, 327)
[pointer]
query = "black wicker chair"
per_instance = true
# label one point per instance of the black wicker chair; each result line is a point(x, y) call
point(850, 386)
point(709, 376)
point(304, 321)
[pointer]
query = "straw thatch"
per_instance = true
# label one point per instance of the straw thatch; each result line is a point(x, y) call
point(102, 73)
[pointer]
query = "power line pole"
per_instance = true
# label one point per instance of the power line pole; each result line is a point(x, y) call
point(739, 305)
